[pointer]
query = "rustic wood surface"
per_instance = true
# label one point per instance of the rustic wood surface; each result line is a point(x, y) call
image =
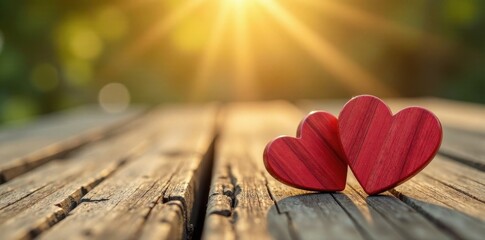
point(120, 181)
point(196, 171)
point(238, 204)
point(24, 148)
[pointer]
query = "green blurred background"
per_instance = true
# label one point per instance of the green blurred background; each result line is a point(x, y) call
point(60, 54)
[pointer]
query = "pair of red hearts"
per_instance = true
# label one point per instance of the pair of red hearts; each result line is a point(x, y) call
point(382, 150)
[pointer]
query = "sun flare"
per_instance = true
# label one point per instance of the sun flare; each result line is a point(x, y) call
point(233, 61)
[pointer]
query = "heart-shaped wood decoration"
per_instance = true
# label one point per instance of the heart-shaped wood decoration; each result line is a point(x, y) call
point(385, 150)
point(312, 161)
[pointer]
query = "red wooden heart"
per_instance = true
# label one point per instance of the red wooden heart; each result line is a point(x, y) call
point(384, 150)
point(314, 160)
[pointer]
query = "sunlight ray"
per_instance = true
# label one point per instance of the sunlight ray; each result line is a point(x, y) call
point(206, 66)
point(244, 81)
point(370, 22)
point(151, 36)
point(352, 76)
point(162, 27)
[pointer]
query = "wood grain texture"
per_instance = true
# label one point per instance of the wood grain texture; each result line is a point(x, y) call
point(33, 203)
point(27, 147)
point(247, 203)
point(313, 160)
point(152, 196)
point(167, 221)
point(385, 216)
point(385, 150)
point(469, 181)
point(464, 146)
point(145, 184)
point(453, 202)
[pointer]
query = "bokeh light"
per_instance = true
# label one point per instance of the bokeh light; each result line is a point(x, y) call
point(59, 54)
point(114, 97)
point(84, 43)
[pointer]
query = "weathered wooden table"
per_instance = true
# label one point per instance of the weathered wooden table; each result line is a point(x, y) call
point(191, 171)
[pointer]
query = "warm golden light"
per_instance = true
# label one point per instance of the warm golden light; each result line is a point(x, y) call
point(161, 28)
point(347, 72)
point(361, 19)
point(228, 63)
point(206, 66)
point(238, 2)
point(152, 36)
point(56, 56)
point(244, 79)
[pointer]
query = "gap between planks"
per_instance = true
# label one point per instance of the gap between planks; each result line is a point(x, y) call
point(169, 214)
point(237, 204)
point(224, 203)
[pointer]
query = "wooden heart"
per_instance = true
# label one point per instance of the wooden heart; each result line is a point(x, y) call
point(384, 150)
point(312, 161)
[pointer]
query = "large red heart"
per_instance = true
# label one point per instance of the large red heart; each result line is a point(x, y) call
point(314, 160)
point(385, 150)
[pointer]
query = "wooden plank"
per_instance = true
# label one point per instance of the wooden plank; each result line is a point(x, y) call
point(26, 147)
point(20, 193)
point(152, 196)
point(33, 203)
point(243, 194)
point(465, 147)
point(385, 216)
point(245, 202)
point(446, 203)
point(449, 194)
point(166, 222)
point(469, 181)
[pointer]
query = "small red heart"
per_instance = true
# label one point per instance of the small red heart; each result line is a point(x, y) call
point(312, 161)
point(384, 150)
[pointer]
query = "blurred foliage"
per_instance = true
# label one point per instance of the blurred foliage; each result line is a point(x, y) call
point(58, 54)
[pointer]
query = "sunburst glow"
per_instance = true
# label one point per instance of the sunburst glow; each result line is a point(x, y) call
point(351, 75)
point(245, 86)
point(206, 66)
point(229, 63)
point(60, 54)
